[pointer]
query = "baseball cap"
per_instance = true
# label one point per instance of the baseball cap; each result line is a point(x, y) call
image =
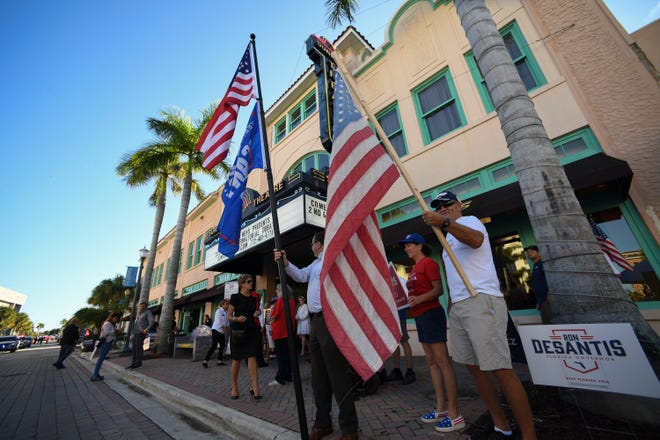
point(444, 197)
point(413, 238)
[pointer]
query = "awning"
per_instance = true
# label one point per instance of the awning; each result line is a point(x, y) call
point(598, 173)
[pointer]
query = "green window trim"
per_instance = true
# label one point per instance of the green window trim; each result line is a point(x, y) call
point(483, 180)
point(198, 249)
point(317, 160)
point(302, 110)
point(189, 259)
point(526, 56)
point(400, 147)
point(442, 78)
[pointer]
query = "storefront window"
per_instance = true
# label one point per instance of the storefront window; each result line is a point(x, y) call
point(641, 283)
point(513, 271)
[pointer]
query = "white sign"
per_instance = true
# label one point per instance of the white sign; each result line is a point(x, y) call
point(304, 209)
point(230, 288)
point(599, 357)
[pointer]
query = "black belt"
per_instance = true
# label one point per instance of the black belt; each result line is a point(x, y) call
point(316, 314)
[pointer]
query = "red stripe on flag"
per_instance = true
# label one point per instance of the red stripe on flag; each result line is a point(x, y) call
point(356, 292)
point(216, 137)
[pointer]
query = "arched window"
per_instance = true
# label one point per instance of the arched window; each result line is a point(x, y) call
point(319, 160)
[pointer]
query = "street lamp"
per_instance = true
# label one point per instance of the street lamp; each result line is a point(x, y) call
point(136, 295)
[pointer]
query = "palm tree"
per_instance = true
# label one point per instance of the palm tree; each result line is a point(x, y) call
point(155, 161)
point(110, 294)
point(583, 285)
point(179, 135)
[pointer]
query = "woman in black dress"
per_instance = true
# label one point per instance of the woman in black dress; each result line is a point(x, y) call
point(243, 309)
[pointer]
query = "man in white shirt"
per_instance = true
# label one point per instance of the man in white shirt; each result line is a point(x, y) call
point(478, 324)
point(330, 369)
point(218, 331)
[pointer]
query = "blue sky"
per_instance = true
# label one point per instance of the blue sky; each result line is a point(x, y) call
point(79, 78)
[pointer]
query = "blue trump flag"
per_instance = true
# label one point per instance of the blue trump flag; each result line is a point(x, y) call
point(250, 156)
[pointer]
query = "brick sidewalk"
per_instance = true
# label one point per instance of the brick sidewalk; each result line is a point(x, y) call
point(392, 413)
point(38, 401)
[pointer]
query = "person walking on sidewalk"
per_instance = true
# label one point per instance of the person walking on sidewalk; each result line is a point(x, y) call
point(280, 337)
point(330, 369)
point(106, 338)
point(218, 331)
point(243, 310)
point(143, 322)
point(70, 335)
point(478, 324)
point(424, 288)
point(539, 285)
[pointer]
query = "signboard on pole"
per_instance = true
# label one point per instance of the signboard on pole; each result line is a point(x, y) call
point(598, 357)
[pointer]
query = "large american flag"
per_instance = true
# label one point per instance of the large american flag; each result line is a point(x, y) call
point(216, 138)
point(356, 294)
point(608, 247)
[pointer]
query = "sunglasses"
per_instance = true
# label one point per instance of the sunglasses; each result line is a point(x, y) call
point(249, 281)
point(445, 205)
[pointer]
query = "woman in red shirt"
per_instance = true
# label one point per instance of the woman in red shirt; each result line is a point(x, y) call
point(280, 334)
point(424, 288)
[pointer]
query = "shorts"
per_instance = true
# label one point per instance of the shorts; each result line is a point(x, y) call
point(404, 326)
point(478, 332)
point(432, 326)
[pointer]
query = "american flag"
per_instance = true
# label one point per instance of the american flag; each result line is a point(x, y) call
point(608, 247)
point(356, 294)
point(216, 138)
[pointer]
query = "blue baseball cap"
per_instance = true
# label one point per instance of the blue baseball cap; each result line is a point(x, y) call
point(413, 238)
point(444, 197)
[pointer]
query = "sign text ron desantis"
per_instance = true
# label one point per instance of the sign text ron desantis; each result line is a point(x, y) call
point(602, 357)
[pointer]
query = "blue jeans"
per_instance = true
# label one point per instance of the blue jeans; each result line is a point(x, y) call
point(65, 351)
point(103, 352)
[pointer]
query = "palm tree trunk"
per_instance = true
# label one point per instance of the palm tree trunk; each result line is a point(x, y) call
point(582, 284)
point(167, 312)
point(151, 258)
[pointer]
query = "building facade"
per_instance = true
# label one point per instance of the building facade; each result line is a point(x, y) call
point(594, 86)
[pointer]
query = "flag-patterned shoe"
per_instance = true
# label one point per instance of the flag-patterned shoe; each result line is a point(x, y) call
point(448, 424)
point(434, 416)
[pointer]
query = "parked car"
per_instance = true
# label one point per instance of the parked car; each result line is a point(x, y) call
point(25, 342)
point(9, 343)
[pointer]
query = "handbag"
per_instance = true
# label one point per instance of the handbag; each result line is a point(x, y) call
point(238, 337)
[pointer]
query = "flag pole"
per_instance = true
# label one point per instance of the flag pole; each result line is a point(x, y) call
point(350, 82)
point(286, 295)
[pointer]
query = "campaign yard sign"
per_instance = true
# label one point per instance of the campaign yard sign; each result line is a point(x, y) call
point(599, 357)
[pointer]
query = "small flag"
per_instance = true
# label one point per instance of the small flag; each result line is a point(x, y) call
point(216, 138)
point(609, 249)
point(356, 293)
point(250, 156)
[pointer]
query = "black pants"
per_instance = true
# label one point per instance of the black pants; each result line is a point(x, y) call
point(260, 348)
point(283, 361)
point(216, 338)
point(331, 375)
point(138, 350)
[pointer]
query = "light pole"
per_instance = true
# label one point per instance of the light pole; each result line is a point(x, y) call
point(136, 295)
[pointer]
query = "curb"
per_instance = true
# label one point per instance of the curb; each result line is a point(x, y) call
point(225, 420)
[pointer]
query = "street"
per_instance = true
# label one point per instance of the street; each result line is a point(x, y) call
point(38, 401)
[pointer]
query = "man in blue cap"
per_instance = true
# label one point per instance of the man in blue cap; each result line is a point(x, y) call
point(478, 324)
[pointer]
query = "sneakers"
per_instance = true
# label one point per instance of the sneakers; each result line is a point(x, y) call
point(274, 383)
point(394, 375)
point(96, 378)
point(409, 377)
point(448, 424)
point(434, 416)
